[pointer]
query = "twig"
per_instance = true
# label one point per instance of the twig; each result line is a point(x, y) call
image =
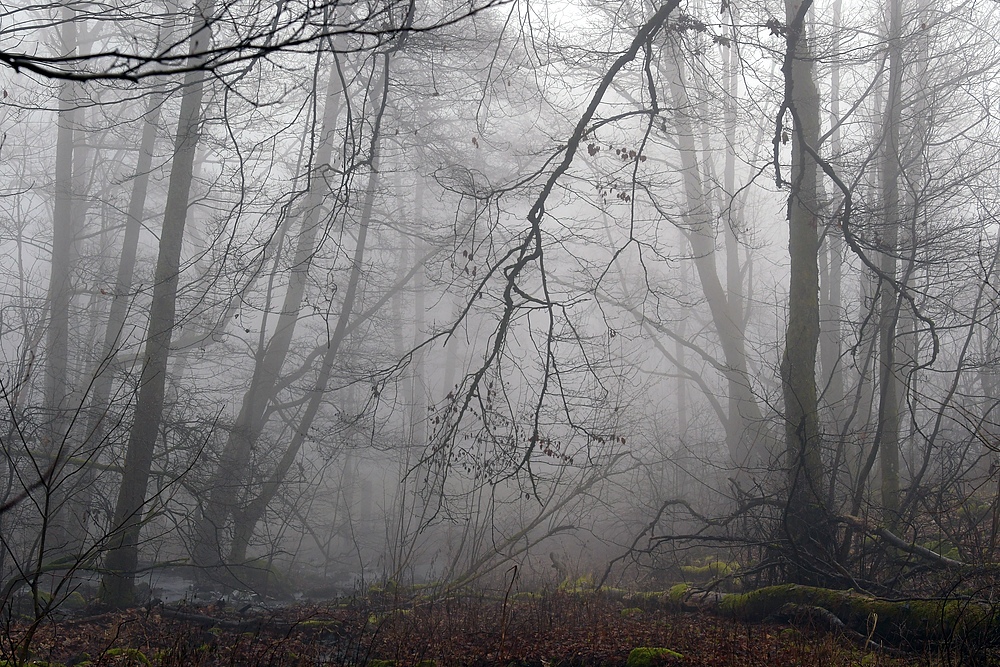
point(503, 615)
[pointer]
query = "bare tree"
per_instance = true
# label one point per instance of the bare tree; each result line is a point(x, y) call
point(223, 486)
point(121, 561)
point(805, 516)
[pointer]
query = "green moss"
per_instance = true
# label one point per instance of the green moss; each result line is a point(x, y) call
point(711, 570)
point(390, 587)
point(321, 623)
point(645, 596)
point(381, 663)
point(43, 598)
point(646, 656)
point(631, 612)
point(943, 547)
point(429, 586)
point(647, 599)
point(676, 593)
point(578, 585)
point(922, 619)
point(75, 600)
point(756, 604)
point(133, 655)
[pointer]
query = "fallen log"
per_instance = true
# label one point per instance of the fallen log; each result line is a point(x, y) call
point(325, 626)
point(894, 621)
point(240, 625)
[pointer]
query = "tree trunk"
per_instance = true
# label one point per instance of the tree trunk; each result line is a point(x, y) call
point(60, 534)
point(117, 585)
point(848, 612)
point(246, 519)
point(121, 297)
point(63, 238)
point(807, 526)
point(890, 382)
point(831, 307)
point(418, 386)
point(225, 483)
point(747, 421)
point(745, 432)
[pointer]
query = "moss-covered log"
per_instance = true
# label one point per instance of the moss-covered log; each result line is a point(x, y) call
point(887, 620)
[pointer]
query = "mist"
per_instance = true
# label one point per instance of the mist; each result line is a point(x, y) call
point(297, 300)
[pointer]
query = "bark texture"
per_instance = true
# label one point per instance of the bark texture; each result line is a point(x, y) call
point(806, 523)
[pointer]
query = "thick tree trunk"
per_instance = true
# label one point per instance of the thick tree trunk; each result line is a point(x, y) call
point(806, 522)
point(117, 585)
point(900, 622)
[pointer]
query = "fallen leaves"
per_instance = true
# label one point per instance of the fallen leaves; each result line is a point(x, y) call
point(555, 630)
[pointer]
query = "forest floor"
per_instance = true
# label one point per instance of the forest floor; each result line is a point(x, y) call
point(555, 629)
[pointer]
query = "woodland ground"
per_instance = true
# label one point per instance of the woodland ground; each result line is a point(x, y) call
point(527, 630)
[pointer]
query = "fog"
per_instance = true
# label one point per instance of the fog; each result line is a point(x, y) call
point(301, 299)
